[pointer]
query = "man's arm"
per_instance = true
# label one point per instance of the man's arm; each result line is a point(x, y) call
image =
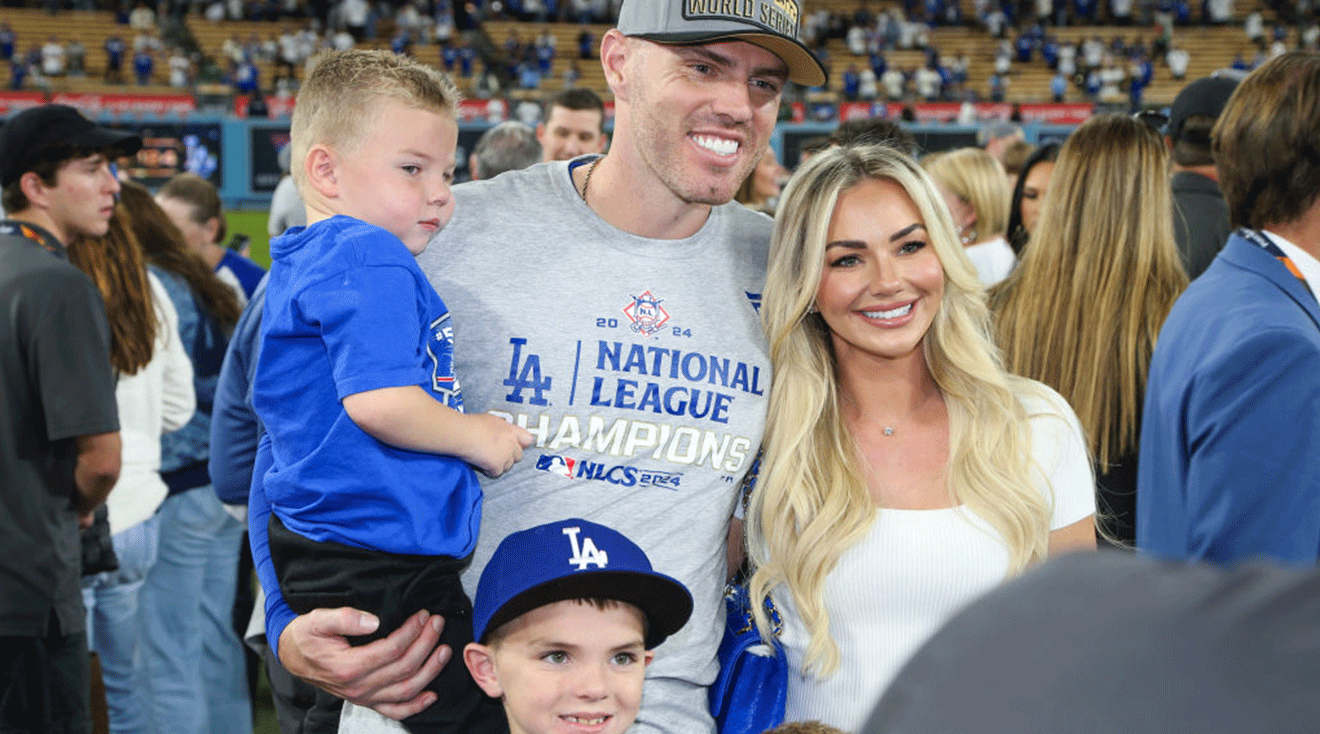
point(388, 675)
point(97, 470)
point(1254, 433)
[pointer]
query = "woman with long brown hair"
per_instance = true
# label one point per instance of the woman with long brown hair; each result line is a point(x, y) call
point(1083, 308)
point(154, 392)
point(194, 659)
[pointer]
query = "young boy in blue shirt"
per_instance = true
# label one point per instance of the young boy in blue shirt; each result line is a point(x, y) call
point(374, 502)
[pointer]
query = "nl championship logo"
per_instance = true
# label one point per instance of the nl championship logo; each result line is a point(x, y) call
point(646, 314)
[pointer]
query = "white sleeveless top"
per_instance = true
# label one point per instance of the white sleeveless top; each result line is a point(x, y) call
point(911, 571)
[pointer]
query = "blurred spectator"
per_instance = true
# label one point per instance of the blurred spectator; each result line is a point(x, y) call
point(286, 206)
point(574, 126)
point(7, 41)
point(1014, 156)
point(851, 83)
point(1254, 27)
point(761, 189)
point(995, 137)
point(508, 146)
point(353, 14)
point(873, 131)
point(868, 87)
point(1029, 193)
point(142, 18)
point(52, 57)
point(180, 69)
point(1232, 419)
point(247, 79)
point(1081, 311)
point(1217, 652)
point(973, 185)
point(77, 54)
point(1058, 86)
point(115, 49)
point(1200, 217)
point(895, 83)
point(144, 65)
point(1178, 60)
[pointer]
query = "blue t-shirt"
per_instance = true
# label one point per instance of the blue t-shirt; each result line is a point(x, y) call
point(347, 311)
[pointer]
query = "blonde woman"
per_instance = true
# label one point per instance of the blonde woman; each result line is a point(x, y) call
point(904, 471)
point(975, 187)
point(1083, 308)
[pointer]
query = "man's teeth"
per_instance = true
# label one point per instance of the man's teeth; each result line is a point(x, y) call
point(586, 721)
point(892, 314)
point(719, 146)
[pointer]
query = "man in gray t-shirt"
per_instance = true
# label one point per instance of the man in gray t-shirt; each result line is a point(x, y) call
point(609, 304)
point(59, 427)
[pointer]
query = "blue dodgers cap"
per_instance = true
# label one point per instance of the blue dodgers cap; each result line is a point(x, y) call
point(575, 559)
point(774, 25)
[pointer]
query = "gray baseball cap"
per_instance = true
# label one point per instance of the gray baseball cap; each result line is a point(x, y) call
point(771, 24)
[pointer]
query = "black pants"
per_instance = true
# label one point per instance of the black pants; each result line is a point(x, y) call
point(44, 685)
point(319, 575)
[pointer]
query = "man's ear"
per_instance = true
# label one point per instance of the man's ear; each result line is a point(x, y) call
point(34, 189)
point(615, 50)
point(480, 661)
point(322, 168)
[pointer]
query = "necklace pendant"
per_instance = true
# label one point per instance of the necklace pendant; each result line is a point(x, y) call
point(889, 430)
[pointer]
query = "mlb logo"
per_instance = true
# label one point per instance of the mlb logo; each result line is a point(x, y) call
point(556, 464)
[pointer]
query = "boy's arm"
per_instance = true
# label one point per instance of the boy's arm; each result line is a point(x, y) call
point(408, 418)
point(388, 675)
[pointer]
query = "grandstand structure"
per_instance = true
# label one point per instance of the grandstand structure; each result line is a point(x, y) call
point(1210, 48)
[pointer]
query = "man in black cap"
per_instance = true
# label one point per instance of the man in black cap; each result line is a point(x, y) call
point(59, 428)
point(1200, 218)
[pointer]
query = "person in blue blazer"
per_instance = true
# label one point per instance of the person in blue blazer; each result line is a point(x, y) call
point(1230, 437)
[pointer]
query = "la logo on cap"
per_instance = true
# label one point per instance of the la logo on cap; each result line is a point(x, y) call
point(587, 554)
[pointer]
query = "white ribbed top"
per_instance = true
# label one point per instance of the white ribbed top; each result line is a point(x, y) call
point(910, 572)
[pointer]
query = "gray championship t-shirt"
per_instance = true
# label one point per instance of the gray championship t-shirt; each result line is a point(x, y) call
point(639, 365)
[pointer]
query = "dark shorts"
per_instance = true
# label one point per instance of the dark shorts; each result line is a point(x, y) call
point(44, 684)
point(324, 575)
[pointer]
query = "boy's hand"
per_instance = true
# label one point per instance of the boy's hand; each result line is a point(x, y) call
point(495, 443)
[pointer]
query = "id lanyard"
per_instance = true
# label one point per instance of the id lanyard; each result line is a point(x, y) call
point(47, 242)
point(1262, 240)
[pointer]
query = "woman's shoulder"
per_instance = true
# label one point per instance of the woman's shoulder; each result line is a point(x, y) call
point(1040, 401)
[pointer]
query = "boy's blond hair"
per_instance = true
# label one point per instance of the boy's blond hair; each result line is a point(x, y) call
point(337, 102)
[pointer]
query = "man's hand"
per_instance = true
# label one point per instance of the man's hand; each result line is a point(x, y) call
point(387, 675)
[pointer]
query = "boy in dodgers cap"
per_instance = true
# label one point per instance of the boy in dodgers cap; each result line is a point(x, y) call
point(566, 618)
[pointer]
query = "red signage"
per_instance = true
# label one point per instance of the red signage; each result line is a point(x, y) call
point(11, 102)
point(134, 104)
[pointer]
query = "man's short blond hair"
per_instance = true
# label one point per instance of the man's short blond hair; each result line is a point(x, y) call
point(339, 98)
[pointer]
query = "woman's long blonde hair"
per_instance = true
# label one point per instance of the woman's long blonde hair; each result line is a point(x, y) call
point(1083, 308)
point(811, 501)
point(977, 178)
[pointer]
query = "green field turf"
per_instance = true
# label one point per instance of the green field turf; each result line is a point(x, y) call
point(252, 224)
